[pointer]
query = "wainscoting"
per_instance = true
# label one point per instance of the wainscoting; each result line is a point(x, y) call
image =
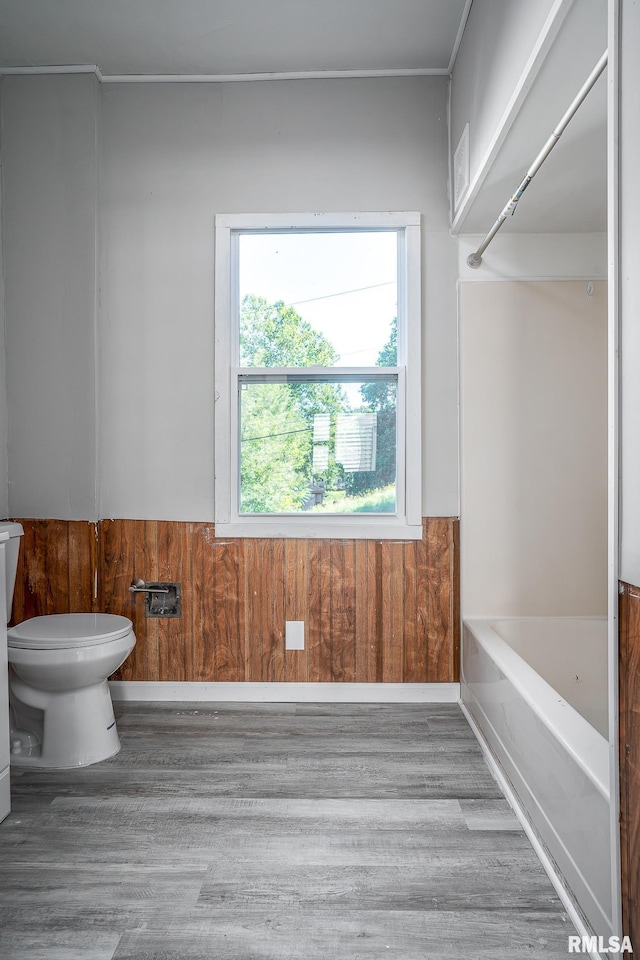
point(374, 611)
point(629, 685)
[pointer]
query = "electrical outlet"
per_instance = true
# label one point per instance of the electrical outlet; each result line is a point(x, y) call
point(294, 635)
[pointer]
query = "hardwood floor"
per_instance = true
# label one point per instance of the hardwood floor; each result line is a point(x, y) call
point(278, 832)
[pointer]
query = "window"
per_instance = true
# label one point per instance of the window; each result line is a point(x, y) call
point(318, 375)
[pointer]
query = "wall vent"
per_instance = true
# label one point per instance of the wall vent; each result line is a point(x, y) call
point(461, 169)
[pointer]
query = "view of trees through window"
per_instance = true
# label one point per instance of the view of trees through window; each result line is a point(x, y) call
point(308, 442)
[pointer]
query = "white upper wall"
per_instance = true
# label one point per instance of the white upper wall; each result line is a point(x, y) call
point(176, 155)
point(172, 156)
point(50, 177)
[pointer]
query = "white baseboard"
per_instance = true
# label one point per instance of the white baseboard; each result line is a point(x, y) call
point(287, 692)
point(576, 918)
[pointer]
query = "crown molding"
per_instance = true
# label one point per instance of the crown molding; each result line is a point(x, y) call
point(458, 40)
point(52, 68)
point(222, 78)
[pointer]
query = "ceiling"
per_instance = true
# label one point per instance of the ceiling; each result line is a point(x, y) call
point(231, 37)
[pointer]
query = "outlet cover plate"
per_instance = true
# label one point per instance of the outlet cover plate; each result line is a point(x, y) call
point(294, 635)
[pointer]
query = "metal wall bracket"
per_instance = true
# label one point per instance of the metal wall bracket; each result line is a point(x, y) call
point(162, 599)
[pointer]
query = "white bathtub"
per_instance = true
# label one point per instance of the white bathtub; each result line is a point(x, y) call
point(537, 692)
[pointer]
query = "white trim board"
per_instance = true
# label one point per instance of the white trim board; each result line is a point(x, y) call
point(250, 692)
point(615, 202)
point(458, 40)
point(225, 77)
point(405, 523)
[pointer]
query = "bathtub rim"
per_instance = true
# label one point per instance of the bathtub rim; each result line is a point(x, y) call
point(577, 736)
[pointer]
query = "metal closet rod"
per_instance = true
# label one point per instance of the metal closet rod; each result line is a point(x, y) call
point(475, 259)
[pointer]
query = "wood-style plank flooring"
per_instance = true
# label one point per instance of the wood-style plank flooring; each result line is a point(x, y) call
point(275, 832)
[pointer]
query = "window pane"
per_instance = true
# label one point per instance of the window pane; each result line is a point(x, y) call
point(322, 447)
point(326, 299)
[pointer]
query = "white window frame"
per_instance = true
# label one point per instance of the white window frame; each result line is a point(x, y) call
point(406, 523)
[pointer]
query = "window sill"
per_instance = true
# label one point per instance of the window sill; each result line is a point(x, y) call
point(292, 527)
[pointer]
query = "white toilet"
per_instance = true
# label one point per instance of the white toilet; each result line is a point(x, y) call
point(59, 700)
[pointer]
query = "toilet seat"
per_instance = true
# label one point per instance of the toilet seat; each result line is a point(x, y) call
point(64, 631)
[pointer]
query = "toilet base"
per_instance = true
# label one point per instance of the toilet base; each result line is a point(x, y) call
point(61, 729)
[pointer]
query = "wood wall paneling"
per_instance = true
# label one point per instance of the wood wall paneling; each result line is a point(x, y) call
point(124, 550)
point(175, 635)
point(629, 713)
point(229, 608)
point(443, 630)
point(374, 611)
point(202, 601)
point(294, 593)
point(55, 568)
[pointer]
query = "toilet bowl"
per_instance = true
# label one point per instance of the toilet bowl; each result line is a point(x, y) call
point(60, 707)
point(60, 704)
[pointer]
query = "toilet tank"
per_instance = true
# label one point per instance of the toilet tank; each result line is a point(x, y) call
point(12, 549)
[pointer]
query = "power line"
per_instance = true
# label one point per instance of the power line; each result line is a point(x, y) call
point(342, 293)
point(271, 436)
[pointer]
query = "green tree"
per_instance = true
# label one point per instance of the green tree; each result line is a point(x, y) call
point(274, 448)
point(275, 335)
point(381, 395)
point(277, 419)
